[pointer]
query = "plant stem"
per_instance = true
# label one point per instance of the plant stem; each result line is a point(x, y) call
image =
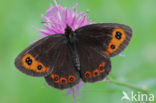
point(110, 80)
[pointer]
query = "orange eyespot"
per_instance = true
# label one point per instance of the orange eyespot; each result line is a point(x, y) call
point(88, 74)
point(63, 80)
point(71, 78)
point(96, 73)
point(29, 62)
point(55, 78)
point(118, 36)
point(102, 67)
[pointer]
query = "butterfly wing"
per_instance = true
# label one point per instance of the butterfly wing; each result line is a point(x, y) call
point(107, 38)
point(40, 57)
point(64, 74)
point(93, 66)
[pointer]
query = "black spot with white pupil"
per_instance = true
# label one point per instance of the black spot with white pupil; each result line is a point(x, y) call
point(118, 35)
point(39, 67)
point(63, 81)
point(96, 73)
point(112, 46)
point(71, 79)
point(28, 61)
point(101, 68)
point(87, 75)
point(56, 78)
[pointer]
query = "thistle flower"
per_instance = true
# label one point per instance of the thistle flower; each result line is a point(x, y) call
point(55, 22)
point(58, 17)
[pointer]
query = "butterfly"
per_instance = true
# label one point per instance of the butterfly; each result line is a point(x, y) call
point(84, 54)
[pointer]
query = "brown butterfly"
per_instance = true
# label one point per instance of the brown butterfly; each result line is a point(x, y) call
point(83, 54)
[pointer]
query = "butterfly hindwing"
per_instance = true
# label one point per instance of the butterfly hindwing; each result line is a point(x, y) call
point(64, 74)
point(39, 58)
point(108, 38)
point(93, 66)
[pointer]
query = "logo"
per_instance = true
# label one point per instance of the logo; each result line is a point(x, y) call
point(140, 97)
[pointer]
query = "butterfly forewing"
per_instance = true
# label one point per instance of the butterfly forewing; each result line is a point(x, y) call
point(107, 38)
point(40, 57)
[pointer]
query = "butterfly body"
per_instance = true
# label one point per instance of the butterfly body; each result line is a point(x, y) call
point(83, 54)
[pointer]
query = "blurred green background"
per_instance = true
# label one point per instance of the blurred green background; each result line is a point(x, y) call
point(17, 17)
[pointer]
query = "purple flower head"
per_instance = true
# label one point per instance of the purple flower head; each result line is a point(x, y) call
point(58, 17)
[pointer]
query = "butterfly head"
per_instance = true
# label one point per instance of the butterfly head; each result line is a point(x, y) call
point(69, 33)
